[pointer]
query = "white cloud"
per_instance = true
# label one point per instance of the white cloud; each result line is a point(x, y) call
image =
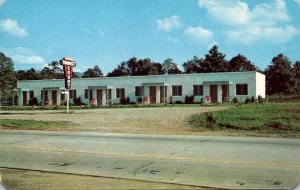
point(252, 34)
point(12, 27)
point(270, 13)
point(28, 59)
point(168, 24)
point(199, 33)
point(23, 55)
point(238, 13)
point(1, 2)
point(298, 2)
point(266, 21)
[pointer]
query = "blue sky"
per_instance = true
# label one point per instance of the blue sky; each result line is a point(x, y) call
point(107, 32)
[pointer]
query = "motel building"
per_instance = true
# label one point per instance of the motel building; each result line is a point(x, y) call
point(156, 89)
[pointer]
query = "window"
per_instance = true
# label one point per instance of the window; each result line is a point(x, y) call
point(31, 94)
point(242, 89)
point(198, 90)
point(138, 91)
point(177, 90)
point(120, 93)
point(86, 93)
point(72, 94)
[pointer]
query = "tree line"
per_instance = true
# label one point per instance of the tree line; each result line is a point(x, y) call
point(281, 75)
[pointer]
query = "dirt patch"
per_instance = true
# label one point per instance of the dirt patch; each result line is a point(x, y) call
point(34, 180)
point(166, 120)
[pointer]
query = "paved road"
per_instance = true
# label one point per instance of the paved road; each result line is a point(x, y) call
point(224, 162)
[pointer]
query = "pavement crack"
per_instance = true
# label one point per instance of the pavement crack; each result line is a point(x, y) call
point(144, 166)
point(32, 139)
point(185, 148)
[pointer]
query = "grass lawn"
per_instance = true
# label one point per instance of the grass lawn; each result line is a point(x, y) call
point(34, 125)
point(268, 116)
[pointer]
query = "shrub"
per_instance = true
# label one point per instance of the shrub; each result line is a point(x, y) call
point(127, 100)
point(123, 101)
point(247, 100)
point(189, 99)
point(234, 100)
point(139, 100)
point(260, 99)
point(33, 102)
point(178, 102)
point(253, 100)
point(77, 101)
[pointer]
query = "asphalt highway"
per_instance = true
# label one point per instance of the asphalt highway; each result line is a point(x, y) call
point(206, 161)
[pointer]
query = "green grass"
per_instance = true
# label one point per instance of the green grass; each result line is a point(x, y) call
point(34, 125)
point(268, 116)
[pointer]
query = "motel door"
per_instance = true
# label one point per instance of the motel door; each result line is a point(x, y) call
point(153, 94)
point(224, 92)
point(24, 98)
point(99, 97)
point(214, 93)
point(54, 97)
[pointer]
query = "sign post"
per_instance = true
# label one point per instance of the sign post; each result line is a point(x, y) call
point(68, 64)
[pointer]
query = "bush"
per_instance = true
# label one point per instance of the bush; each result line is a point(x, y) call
point(189, 99)
point(260, 99)
point(178, 102)
point(247, 100)
point(128, 100)
point(123, 101)
point(235, 100)
point(77, 101)
point(253, 100)
point(139, 100)
point(33, 102)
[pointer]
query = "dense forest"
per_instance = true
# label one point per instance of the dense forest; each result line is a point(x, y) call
point(282, 76)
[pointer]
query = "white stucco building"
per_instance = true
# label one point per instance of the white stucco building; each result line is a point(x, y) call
point(157, 88)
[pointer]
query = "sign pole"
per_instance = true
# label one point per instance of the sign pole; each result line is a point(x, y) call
point(68, 98)
point(68, 64)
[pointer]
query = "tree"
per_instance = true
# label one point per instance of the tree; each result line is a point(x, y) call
point(137, 67)
point(240, 63)
point(193, 66)
point(93, 72)
point(215, 61)
point(296, 70)
point(7, 78)
point(30, 74)
point(52, 71)
point(119, 71)
point(169, 67)
point(279, 76)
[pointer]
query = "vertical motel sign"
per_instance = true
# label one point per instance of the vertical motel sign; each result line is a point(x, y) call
point(68, 64)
